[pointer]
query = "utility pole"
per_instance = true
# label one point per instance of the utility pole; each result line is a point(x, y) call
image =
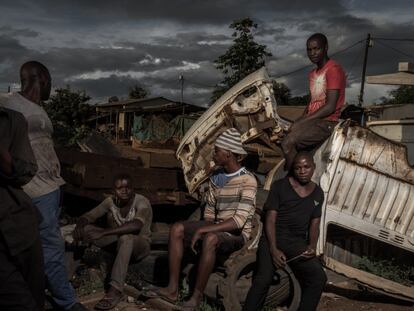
point(368, 44)
point(181, 78)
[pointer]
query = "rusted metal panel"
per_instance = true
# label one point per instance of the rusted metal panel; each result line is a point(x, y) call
point(250, 107)
point(369, 189)
point(92, 175)
point(367, 181)
point(397, 130)
point(370, 186)
point(291, 113)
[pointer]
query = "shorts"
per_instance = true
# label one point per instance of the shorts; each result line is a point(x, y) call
point(227, 242)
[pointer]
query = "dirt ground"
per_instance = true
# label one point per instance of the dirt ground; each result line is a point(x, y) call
point(345, 297)
point(340, 299)
point(341, 294)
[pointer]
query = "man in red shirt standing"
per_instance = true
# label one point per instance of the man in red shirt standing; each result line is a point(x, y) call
point(327, 96)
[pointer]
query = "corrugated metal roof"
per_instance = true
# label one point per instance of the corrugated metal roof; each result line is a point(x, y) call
point(147, 104)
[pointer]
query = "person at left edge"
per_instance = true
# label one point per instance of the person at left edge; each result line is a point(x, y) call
point(44, 188)
point(21, 281)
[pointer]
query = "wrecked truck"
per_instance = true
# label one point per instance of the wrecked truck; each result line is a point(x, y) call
point(368, 213)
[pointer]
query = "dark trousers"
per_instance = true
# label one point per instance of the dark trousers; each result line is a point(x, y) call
point(308, 136)
point(22, 279)
point(309, 273)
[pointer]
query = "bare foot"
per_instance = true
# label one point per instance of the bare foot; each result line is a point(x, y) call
point(192, 304)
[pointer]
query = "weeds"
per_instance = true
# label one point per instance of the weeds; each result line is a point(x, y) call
point(388, 268)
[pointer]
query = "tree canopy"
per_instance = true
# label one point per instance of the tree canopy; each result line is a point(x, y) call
point(137, 92)
point(69, 110)
point(243, 57)
point(402, 95)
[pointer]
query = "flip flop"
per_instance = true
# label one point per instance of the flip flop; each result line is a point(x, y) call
point(107, 303)
point(155, 293)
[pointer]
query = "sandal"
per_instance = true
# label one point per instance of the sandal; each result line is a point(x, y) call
point(107, 303)
point(155, 293)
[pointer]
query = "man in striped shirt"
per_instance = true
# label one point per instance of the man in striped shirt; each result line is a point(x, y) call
point(230, 206)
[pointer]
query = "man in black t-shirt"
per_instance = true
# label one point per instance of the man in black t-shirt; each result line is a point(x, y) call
point(291, 232)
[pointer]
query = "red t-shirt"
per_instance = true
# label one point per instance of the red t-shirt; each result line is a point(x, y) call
point(330, 77)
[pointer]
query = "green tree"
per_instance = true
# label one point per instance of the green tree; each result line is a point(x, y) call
point(69, 110)
point(137, 92)
point(403, 95)
point(242, 58)
point(299, 100)
point(281, 93)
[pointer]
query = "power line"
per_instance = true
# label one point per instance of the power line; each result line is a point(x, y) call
point(348, 48)
point(395, 49)
point(394, 39)
point(310, 65)
point(200, 84)
point(356, 59)
point(290, 72)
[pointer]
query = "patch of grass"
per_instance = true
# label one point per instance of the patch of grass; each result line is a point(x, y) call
point(388, 268)
point(85, 283)
point(205, 306)
point(185, 292)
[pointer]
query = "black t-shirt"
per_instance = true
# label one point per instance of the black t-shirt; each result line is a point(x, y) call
point(294, 215)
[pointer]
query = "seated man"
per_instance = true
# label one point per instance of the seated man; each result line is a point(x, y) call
point(227, 220)
point(291, 232)
point(129, 218)
point(327, 96)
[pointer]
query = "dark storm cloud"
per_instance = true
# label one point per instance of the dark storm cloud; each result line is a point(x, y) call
point(190, 51)
point(344, 30)
point(81, 40)
point(12, 56)
point(191, 38)
point(262, 31)
point(18, 32)
point(183, 11)
point(106, 87)
point(10, 47)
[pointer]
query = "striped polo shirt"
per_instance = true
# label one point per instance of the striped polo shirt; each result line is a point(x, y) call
point(236, 199)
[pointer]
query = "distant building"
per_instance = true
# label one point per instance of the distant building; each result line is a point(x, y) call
point(146, 120)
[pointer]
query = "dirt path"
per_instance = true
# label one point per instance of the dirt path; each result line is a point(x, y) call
point(351, 301)
point(348, 301)
point(341, 295)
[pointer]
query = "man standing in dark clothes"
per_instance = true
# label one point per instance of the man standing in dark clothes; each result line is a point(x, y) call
point(44, 188)
point(21, 269)
point(327, 84)
point(293, 212)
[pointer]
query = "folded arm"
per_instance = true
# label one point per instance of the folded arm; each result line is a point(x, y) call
point(17, 163)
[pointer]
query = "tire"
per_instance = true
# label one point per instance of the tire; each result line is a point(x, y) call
point(237, 282)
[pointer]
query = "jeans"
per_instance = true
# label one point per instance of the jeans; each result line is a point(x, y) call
point(54, 250)
point(308, 272)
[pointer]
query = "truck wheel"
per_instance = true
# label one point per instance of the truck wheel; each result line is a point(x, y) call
point(237, 282)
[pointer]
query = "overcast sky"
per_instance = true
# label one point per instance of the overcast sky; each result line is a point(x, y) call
point(104, 47)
